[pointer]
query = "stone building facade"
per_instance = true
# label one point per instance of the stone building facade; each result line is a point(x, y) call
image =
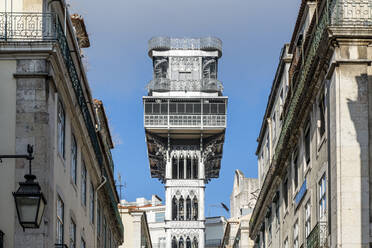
point(314, 145)
point(45, 101)
point(185, 122)
point(155, 213)
point(242, 200)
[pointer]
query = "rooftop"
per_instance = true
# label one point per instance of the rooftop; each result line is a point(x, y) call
point(164, 43)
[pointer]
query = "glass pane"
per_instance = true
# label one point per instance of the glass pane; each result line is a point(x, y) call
point(206, 108)
point(181, 108)
point(189, 108)
point(197, 108)
point(148, 108)
point(156, 108)
point(164, 108)
point(221, 108)
point(213, 108)
point(27, 207)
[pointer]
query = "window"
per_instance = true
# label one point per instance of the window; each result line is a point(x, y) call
point(277, 208)
point(195, 164)
point(321, 123)
point(181, 211)
point(83, 184)
point(60, 216)
point(307, 143)
point(285, 193)
point(174, 242)
point(159, 217)
point(307, 218)
point(181, 243)
point(188, 208)
point(61, 129)
point(274, 125)
point(73, 158)
point(174, 168)
point(188, 242)
point(322, 197)
point(82, 244)
point(99, 216)
point(188, 168)
point(267, 147)
point(72, 234)
point(174, 208)
point(295, 235)
point(181, 168)
point(295, 169)
point(286, 243)
point(195, 243)
point(195, 210)
point(91, 203)
point(104, 233)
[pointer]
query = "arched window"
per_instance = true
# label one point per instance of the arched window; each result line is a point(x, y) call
point(174, 208)
point(195, 165)
point(174, 242)
point(180, 243)
point(188, 208)
point(181, 209)
point(181, 163)
point(174, 167)
point(188, 167)
point(195, 208)
point(188, 242)
point(194, 243)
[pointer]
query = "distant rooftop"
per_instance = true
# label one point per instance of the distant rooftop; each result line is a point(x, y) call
point(168, 43)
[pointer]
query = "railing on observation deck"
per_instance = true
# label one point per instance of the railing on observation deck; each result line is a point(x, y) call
point(39, 27)
point(207, 121)
point(165, 84)
point(318, 236)
point(167, 43)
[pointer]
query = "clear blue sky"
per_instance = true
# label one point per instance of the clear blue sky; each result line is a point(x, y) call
point(252, 32)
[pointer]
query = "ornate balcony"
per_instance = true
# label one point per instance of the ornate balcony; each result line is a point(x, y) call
point(318, 236)
point(174, 121)
point(165, 84)
point(27, 26)
point(167, 43)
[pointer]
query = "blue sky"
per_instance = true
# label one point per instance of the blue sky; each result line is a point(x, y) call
point(252, 32)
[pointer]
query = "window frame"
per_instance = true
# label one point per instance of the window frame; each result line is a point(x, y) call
point(322, 184)
point(74, 153)
point(61, 129)
point(60, 221)
point(307, 218)
point(83, 191)
point(91, 203)
point(72, 234)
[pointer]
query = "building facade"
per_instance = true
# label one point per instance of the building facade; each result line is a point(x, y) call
point(314, 145)
point(155, 213)
point(45, 101)
point(137, 232)
point(214, 229)
point(185, 121)
point(242, 200)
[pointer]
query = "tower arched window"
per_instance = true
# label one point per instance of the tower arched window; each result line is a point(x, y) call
point(195, 243)
point(188, 242)
point(174, 208)
point(188, 167)
point(174, 167)
point(181, 215)
point(195, 165)
point(195, 208)
point(174, 242)
point(181, 243)
point(188, 208)
point(181, 168)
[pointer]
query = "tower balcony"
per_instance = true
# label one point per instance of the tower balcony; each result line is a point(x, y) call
point(181, 113)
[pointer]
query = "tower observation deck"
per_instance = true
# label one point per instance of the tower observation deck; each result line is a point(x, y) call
point(185, 122)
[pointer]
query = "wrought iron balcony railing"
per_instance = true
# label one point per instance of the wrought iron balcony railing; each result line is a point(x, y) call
point(165, 84)
point(192, 121)
point(27, 26)
point(167, 43)
point(318, 236)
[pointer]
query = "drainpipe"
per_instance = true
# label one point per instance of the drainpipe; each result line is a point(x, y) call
point(96, 206)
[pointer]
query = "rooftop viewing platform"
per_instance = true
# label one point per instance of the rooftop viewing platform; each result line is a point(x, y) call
point(167, 43)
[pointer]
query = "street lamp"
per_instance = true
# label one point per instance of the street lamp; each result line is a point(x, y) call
point(29, 200)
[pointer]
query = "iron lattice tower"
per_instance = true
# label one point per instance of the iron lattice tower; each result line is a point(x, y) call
point(185, 122)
